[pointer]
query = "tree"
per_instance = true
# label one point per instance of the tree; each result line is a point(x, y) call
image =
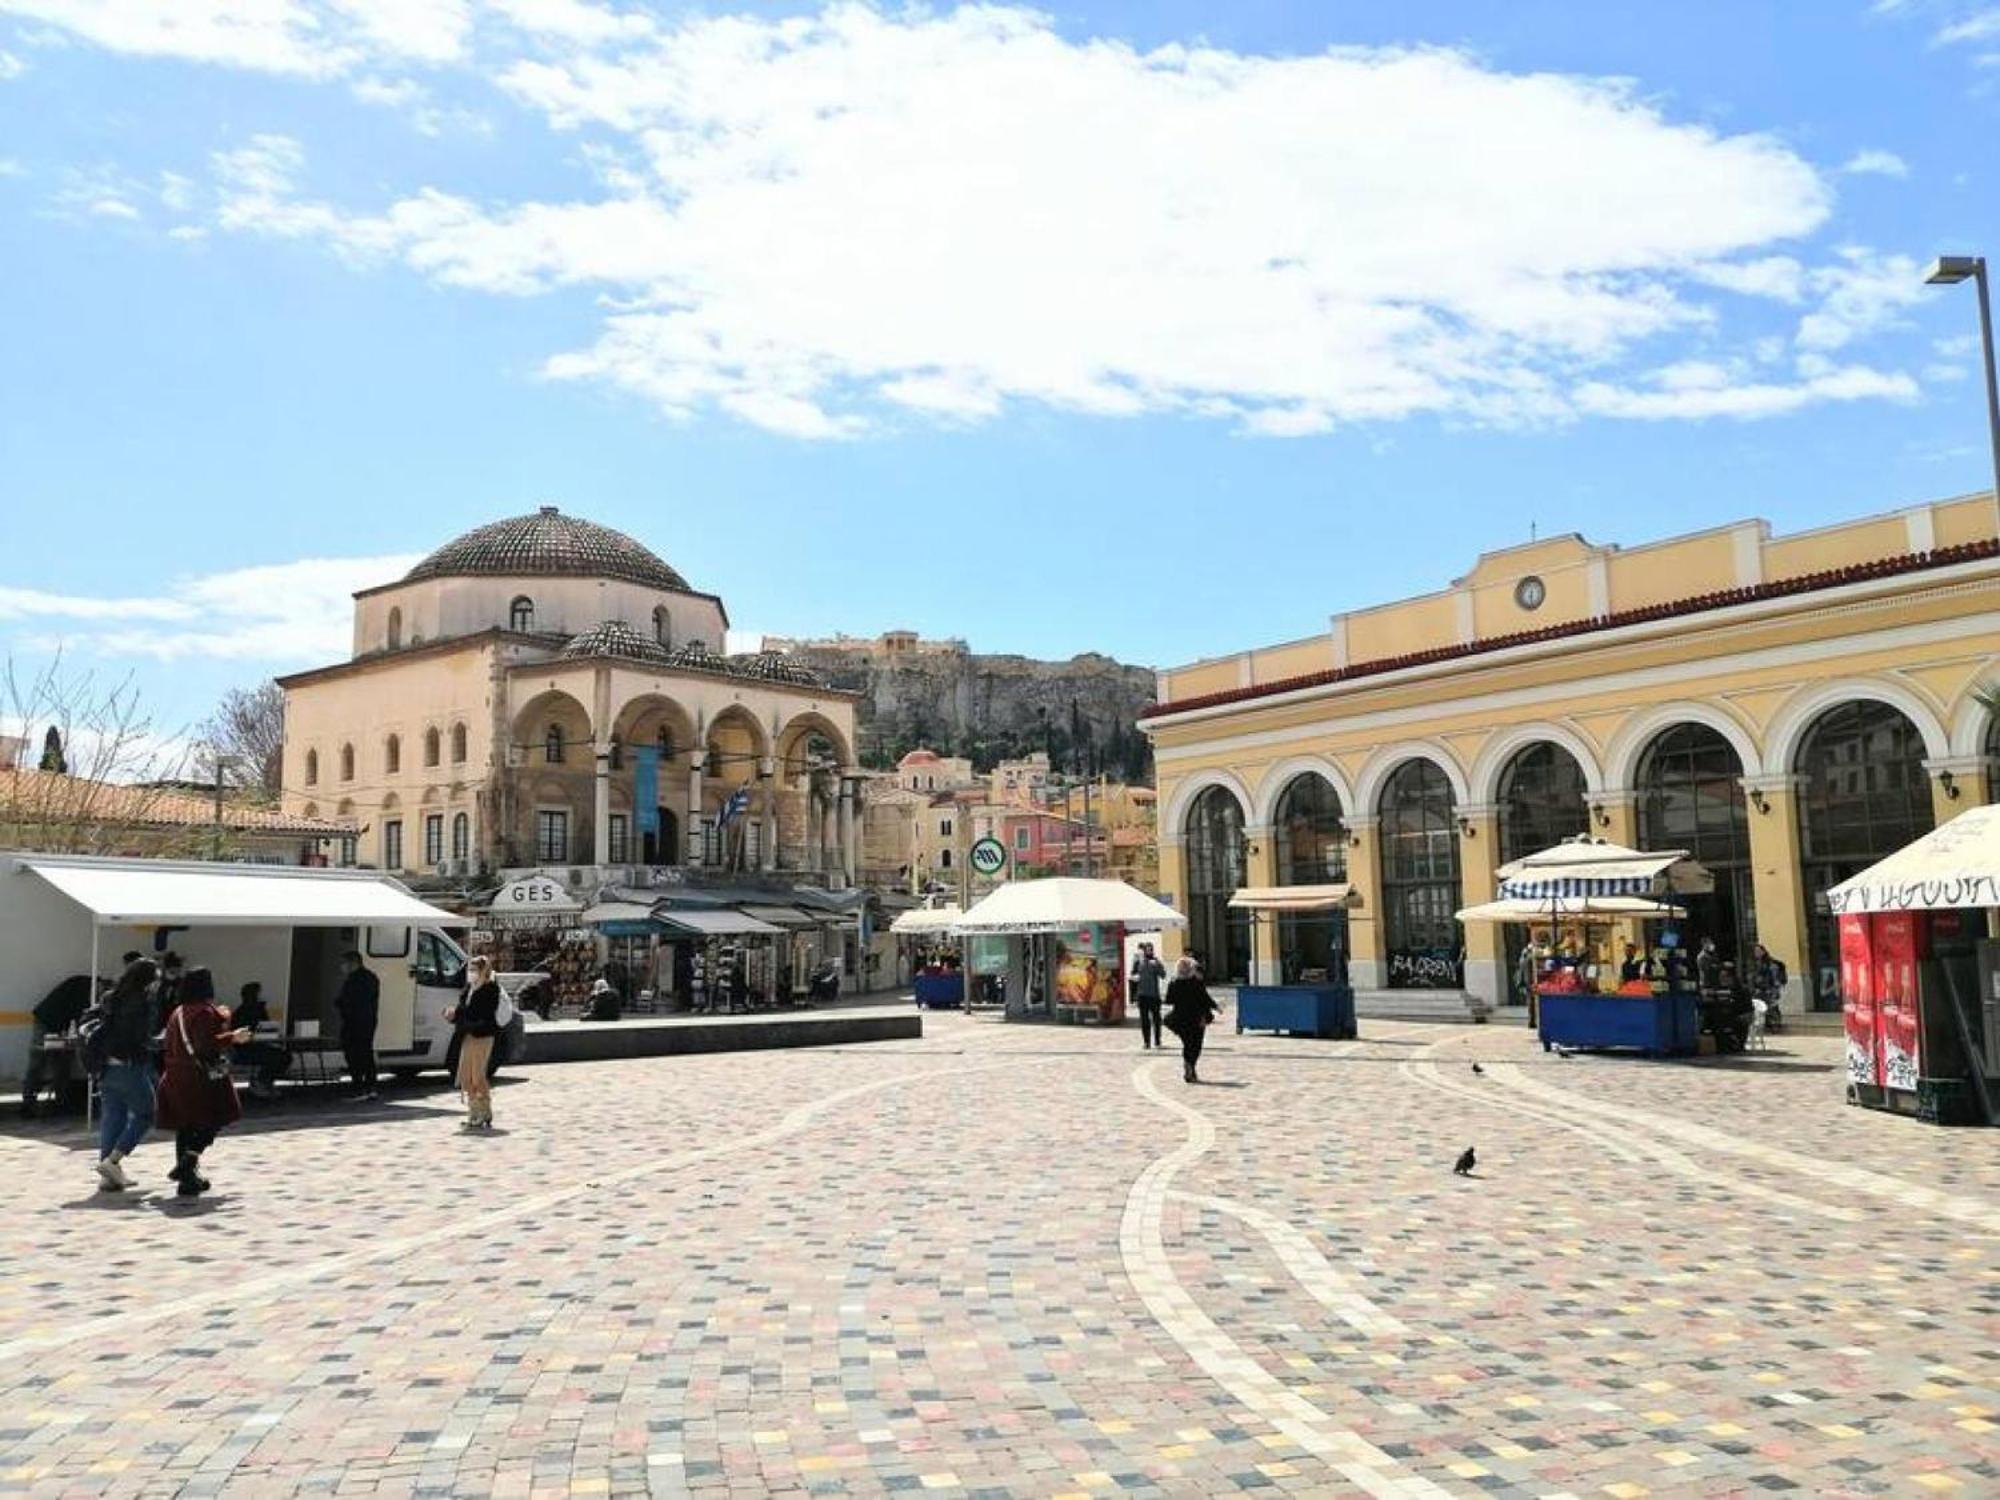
point(248, 729)
point(106, 795)
point(52, 753)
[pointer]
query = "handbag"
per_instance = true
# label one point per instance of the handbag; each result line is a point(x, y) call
point(215, 1070)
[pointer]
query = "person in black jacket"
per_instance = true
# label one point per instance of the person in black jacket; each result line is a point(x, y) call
point(53, 1015)
point(266, 1061)
point(476, 1019)
point(1189, 1010)
point(357, 1004)
point(125, 1087)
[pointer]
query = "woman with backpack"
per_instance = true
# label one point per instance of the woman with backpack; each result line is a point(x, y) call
point(117, 1043)
point(197, 1097)
point(478, 1021)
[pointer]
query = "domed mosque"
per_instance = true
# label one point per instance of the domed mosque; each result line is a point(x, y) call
point(546, 693)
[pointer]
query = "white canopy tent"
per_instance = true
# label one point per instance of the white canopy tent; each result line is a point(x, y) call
point(1065, 902)
point(1954, 865)
point(131, 893)
point(927, 921)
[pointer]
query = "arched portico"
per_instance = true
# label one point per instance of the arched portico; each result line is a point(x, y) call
point(1503, 745)
point(1791, 724)
point(1622, 755)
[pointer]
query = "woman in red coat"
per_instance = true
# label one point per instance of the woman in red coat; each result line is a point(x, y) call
point(196, 1096)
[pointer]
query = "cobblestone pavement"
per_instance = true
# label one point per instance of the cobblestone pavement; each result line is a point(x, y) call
point(1020, 1261)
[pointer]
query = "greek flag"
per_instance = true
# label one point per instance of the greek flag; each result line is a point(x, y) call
point(734, 805)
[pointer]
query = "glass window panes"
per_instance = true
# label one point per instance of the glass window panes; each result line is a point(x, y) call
point(461, 836)
point(620, 841)
point(1216, 865)
point(551, 837)
point(1541, 801)
point(1690, 796)
point(433, 838)
point(392, 844)
point(1420, 893)
point(1312, 850)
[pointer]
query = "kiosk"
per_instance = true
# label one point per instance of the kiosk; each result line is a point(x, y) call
point(1065, 942)
point(1318, 1007)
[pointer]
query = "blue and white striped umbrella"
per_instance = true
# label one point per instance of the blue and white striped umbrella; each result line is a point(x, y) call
point(1583, 867)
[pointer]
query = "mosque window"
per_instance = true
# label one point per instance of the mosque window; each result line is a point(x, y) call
point(552, 745)
point(432, 744)
point(312, 768)
point(663, 626)
point(521, 614)
point(346, 762)
point(458, 744)
point(395, 629)
point(392, 754)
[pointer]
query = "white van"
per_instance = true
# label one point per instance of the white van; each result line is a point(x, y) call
point(282, 926)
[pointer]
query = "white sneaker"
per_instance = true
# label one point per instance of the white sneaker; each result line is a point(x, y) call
point(112, 1175)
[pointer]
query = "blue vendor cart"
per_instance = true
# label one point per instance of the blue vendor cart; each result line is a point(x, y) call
point(1321, 1002)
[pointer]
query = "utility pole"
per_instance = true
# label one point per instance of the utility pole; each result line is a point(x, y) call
point(221, 761)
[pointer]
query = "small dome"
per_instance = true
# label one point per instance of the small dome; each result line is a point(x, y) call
point(615, 638)
point(918, 758)
point(548, 544)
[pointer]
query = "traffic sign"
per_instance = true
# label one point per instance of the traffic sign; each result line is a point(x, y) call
point(989, 856)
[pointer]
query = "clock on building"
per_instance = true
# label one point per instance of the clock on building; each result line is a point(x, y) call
point(1530, 592)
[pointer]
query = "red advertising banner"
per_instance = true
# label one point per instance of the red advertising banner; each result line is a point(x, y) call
point(1857, 1001)
point(1897, 940)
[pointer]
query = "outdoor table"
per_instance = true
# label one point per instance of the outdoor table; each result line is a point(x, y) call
point(1318, 1010)
point(1660, 1025)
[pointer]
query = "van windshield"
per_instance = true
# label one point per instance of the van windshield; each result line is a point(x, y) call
point(438, 963)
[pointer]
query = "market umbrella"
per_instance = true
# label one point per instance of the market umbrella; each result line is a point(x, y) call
point(1065, 902)
point(1956, 864)
point(926, 921)
point(1556, 908)
point(1584, 866)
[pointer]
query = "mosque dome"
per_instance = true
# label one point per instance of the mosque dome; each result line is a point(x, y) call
point(615, 638)
point(548, 544)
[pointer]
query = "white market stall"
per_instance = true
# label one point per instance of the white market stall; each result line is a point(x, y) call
point(937, 984)
point(1065, 942)
point(1920, 979)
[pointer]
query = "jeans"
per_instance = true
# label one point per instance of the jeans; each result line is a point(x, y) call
point(126, 1092)
point(1149, 1021)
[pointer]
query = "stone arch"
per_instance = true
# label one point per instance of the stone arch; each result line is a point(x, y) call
point(1970, 722)
point(1174, 818)
point(1278, 778)
point(1504, 744)
point(640, 719)
point(733, 745)
point(531, 724)
point(1628, 746)
point(1792, 723)
point(798, 734)
point(310, 810)
point(1384, 762)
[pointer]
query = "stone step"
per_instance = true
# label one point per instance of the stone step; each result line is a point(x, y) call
point(1455, 1006)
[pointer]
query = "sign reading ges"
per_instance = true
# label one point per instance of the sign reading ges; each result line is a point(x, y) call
point(535, 894)
point(988, 856)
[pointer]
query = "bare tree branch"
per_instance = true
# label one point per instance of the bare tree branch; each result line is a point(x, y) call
point(248, 727)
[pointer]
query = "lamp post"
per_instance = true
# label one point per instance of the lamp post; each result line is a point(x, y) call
point(1950, 270)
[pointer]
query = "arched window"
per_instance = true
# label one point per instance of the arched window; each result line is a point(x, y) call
point(346, 762)
point(1420, 895)
point(392, 754)
point(458, 744)
point(663, 626)
point(1216, 867)
point(1541, 801)
point(521, 614)
point(432, 742)
point(312, 768)
point(1312, 850)
point(1691, 797)
point(1865, 795)
point(395, 628)
point(461, 836)
point(552, 745)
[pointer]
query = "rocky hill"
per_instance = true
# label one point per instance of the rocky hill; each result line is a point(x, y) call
point(959, 702)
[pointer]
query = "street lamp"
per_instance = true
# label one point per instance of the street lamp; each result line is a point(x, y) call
point(1950, 270)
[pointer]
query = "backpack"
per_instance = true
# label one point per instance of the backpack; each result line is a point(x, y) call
point(93, 1040)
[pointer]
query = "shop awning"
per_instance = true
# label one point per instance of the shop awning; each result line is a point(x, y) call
point(607, 912)
point(1584, 866)
point(1064, 902)
point(1955, 865)
point(927, 921)
point(140, 894)
point(1297, 898)
point(1564, 908)
point(715, 922)
point(780, 916)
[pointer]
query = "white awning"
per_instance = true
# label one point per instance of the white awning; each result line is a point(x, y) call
point(1954, 865)
point(715, 922)
point(142, 894)
point(1566, 908)
point(926, 921)
point(1283, 898)
point(1064, 902)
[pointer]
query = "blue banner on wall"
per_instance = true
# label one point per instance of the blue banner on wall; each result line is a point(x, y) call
point(646, 788)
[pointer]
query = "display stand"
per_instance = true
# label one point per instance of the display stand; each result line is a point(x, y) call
point(1660, 1025)
point(1316, 1010)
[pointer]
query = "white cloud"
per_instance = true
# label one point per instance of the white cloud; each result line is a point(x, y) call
point(573, 20)
point(296, 613)
point(10, 66)
point(1876, 163)
point(1860, 293)
point(9, 167)
point(1682, 400)
point(820, 219)
point(312, 38)
point(415, 102)
point(1980, 26)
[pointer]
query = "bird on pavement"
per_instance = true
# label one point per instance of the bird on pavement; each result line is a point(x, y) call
point(1466, 1162)
point(1479, 1070)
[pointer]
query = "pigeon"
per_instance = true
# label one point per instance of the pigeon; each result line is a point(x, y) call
point(1466, 1162)
point(1479, 1070)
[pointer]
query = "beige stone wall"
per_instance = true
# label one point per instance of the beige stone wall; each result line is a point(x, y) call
point(440, 608)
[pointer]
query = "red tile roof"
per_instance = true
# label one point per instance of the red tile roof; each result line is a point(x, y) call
point(1806, 583)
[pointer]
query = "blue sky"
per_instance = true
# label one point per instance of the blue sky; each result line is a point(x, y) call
point(1160, 329)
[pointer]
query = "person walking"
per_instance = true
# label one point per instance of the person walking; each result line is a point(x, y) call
point(476, 1020)
point(196, 1097)
point(1189, 1010)
point(125, 1086)
point(358, 1004)
point(1147, 974)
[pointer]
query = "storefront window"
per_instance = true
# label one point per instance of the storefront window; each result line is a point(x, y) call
point(1865, 794)
point(1216, 870)
point(1691, 797)
point(1312, 850)
point(1420, 895)
point(1541, 804)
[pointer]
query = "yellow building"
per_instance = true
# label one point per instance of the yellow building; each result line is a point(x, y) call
point(543, 691)
point(1788, 708)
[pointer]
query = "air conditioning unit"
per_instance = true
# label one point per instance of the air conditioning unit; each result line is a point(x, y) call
point(451, 869)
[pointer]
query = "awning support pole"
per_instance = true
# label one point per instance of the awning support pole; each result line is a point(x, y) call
point(89, 1083)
